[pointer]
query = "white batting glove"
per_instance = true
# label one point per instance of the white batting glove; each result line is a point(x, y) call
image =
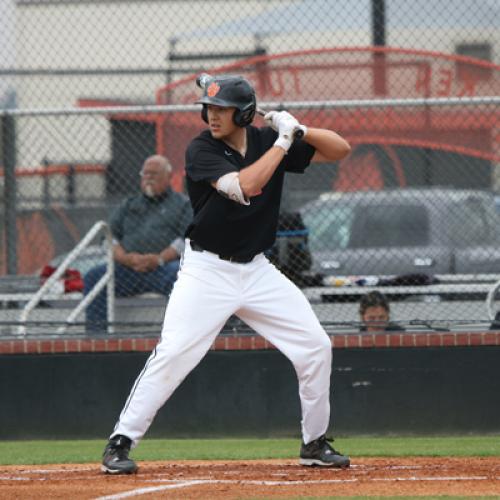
point(286, 132)
point(282, 121)
point(287, 125)
point(276, 118)
point(270, 119)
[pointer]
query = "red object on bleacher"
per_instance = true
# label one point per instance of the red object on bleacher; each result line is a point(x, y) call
point(73, 281)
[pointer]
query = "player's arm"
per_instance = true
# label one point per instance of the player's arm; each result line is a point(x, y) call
point(241, 186)
point(329, 145)
point(249, 181)
point(254, 177)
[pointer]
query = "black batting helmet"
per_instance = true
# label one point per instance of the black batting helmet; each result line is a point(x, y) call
point(231, 92)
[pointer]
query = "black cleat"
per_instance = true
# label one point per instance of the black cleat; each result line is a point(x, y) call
point(115, 457)
point(319, 452)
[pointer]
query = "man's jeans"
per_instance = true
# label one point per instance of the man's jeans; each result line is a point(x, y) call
point(127, 283)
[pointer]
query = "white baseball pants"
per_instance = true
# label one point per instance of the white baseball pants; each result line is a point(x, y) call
point(207, 292)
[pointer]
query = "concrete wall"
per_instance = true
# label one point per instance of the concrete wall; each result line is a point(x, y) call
point(374, 391)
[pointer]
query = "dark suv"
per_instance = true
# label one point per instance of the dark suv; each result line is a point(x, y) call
point(404, 231)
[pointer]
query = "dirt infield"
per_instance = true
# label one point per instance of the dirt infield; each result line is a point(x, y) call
point(470, 476)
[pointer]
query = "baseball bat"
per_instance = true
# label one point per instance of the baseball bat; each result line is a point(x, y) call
point(202, 81)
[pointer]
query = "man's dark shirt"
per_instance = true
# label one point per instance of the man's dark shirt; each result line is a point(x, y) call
point(149, 225)
point(221, 225)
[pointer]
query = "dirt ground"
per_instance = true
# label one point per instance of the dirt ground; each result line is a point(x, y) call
point(468, 476)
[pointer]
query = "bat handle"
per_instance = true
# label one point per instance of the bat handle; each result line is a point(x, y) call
point(298, 134)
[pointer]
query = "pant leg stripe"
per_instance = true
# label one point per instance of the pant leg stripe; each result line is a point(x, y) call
point(131, 395)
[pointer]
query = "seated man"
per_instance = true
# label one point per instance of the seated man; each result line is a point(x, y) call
point(148, 231)
point(374, 312)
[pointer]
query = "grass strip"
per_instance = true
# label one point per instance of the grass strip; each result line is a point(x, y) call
point(78, 451)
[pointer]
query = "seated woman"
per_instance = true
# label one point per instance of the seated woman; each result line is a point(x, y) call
point(374, 312)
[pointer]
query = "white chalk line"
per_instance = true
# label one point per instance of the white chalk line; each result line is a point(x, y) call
point(173, 484)
point(265, 482)
point(54, 471)
point(151, 489)
point(83, 469)
point(288, 473)
point(14, 478)
point(325, 481)
point(143, 491)
point(417, 478)
point(47, 472)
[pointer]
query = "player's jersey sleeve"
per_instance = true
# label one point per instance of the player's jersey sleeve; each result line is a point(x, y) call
point(299, 157)
point(205, 163)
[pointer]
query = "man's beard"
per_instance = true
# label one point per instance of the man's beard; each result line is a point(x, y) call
point(148, 191)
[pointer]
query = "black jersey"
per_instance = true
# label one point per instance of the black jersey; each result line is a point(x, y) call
point(221, 225)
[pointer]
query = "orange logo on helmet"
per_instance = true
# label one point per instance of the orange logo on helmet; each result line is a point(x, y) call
point(213, 89)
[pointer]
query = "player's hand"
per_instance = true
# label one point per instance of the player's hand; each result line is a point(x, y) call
point(286, 125)
point(279, 119)
point(286, 131)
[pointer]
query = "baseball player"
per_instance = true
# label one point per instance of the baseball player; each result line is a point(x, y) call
point(234, 174)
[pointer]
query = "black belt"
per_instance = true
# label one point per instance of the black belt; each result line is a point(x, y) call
point(230, 258)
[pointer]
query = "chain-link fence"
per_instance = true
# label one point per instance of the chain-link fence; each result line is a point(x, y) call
point(90, 90)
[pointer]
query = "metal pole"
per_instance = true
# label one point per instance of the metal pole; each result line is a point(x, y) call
point(8, 149)
point(378, 22)
point(378, 36)
point(492, 100)
point(70, 185)
point(172, 42)
point(46, 186)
